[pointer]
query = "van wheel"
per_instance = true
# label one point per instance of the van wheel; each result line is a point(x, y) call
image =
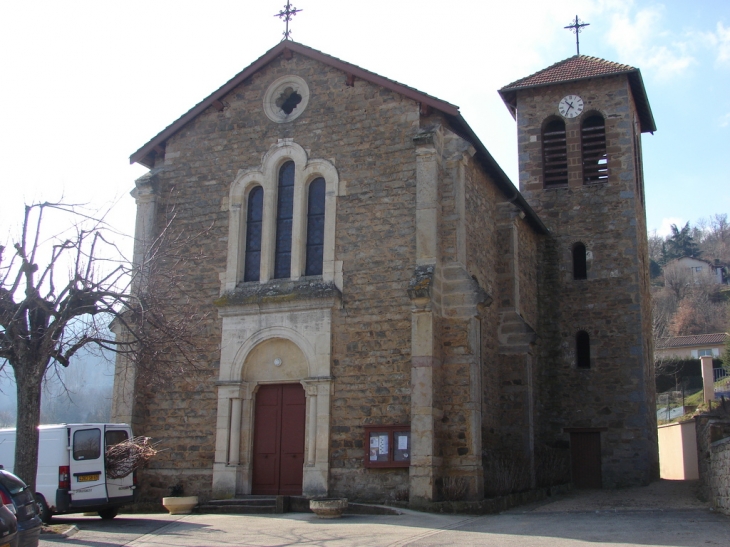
point(109, 513)
point(43, 511)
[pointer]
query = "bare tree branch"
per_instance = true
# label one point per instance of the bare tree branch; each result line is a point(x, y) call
point(45, 319)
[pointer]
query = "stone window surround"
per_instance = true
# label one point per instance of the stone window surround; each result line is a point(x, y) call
point(583, 343)
point(274, 91)
point(543, 129)
point(266, 176)
point(580, 261)
point(567, 259)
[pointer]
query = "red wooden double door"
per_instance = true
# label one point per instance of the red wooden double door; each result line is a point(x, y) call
point(278, 440)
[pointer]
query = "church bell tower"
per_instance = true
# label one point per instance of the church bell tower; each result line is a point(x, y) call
point(579, 126)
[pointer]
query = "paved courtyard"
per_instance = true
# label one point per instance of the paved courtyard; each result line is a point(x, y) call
point(663, 514)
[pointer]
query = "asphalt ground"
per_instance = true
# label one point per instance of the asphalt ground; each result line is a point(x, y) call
point(662, 515)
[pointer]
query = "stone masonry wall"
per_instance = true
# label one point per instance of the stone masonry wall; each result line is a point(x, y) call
point(720, 475)
point(713, 434)
point(615, 394)
point(528, 242)
point(367, 132)
point(481, 247)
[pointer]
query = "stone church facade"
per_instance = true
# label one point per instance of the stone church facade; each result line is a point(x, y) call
point(389, 317)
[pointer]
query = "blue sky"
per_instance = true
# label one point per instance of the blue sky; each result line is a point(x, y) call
point(86, 83)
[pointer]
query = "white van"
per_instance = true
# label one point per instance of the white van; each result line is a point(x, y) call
point(71, 472)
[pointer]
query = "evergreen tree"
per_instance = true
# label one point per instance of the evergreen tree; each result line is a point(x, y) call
point(681, 243)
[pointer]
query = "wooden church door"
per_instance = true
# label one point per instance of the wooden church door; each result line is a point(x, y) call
point(278, 440)
point(585, 456)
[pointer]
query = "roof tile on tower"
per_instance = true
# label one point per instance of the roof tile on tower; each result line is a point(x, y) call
point(583, 67)
point(577, 67)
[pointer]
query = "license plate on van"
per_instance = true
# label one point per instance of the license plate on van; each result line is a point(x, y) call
point(87, 478)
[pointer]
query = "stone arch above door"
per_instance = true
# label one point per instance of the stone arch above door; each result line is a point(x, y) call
point(296, 350)
point(254, 360)
point(275, 360)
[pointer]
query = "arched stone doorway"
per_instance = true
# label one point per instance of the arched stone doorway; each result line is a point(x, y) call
point(275, 374)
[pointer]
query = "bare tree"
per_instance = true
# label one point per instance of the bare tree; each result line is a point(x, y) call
point(664, 306)
point(715, 243)
point(678, 280)
point(655, 247)
point(59, 294)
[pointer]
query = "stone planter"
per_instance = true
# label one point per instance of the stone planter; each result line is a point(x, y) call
point(180, 505)
point(328, 508)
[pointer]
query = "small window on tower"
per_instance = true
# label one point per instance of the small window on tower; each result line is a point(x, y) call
point(580, 269)
point(554, 154)
point(593, 146)
point(582, 350)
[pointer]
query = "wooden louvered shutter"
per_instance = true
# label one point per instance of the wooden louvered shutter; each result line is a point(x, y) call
point(593, 146)
point(554, 154)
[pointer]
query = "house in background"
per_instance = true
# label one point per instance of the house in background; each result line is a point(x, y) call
point(699, 267)
point(694, 346)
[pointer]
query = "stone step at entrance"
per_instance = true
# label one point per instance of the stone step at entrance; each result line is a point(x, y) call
point(248, 505)
point(271, 505)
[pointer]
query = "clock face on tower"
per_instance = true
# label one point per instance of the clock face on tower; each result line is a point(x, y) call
point(570, 106)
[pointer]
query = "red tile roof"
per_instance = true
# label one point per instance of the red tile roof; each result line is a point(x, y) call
point(573, 68)
point(694, 340)
point(583, 67)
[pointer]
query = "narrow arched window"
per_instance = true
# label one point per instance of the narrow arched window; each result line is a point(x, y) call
point(580, 270)
point(554, 154)
point(315, 227)
point(254, 216)
point(593, 146)
point(582, 350)
point(284, 215)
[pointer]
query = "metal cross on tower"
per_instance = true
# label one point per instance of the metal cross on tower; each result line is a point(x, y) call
point(286, 14)
point(577, 27)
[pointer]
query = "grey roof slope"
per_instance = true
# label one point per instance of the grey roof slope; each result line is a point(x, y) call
point(693, 340)
point(145, 154)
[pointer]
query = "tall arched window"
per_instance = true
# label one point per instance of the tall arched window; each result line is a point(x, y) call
point(284, 215)
point(254, 216)
point(315, 227)
point(580, 270)
point(554, 154)
point(593, 146)
point(582, 350)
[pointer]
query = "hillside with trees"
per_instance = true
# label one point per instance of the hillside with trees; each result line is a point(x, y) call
point(687, 303)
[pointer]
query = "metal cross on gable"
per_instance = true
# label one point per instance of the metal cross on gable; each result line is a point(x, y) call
point(286, 15)
point(577, 28)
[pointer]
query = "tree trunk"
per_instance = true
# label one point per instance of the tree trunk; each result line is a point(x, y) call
point(28, 381)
